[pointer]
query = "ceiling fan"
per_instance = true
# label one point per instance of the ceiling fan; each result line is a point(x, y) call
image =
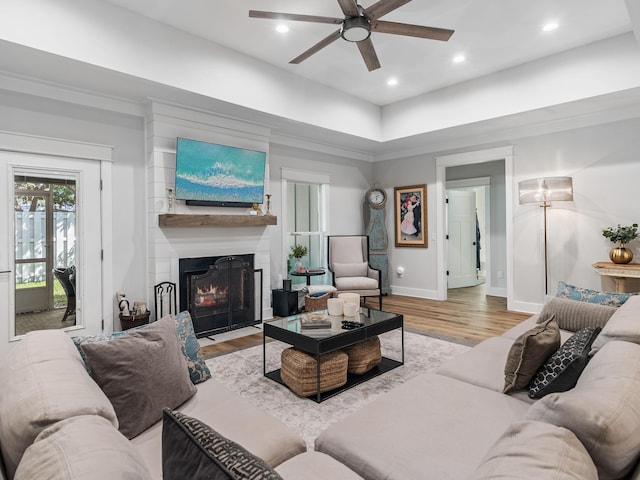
point(357, 25)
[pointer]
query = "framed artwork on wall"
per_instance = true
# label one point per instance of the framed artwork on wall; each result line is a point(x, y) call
point(410, 216)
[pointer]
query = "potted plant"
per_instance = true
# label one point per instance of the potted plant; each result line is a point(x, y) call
point(297, 252)
point(621, 236)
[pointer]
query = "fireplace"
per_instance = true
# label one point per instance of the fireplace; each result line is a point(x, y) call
point(218, 292)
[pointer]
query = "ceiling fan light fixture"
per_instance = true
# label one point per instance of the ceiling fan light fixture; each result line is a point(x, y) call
point(355, 29)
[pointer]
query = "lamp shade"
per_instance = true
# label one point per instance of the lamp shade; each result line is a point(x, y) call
point(545, 190)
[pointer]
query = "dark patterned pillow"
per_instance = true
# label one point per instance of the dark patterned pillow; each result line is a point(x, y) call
point(561, 371)
point(192, 449)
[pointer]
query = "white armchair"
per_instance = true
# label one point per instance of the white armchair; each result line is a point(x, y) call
point(349, 266)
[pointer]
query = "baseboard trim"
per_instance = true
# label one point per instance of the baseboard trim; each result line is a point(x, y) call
point(414, 292)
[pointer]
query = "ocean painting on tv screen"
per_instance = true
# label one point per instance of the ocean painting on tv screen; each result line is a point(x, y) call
point(218, 173)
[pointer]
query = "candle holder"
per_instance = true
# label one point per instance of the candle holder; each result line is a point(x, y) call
point(172, 201)
point(268, 212)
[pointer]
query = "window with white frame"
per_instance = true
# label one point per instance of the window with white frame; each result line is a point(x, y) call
point(306, 220)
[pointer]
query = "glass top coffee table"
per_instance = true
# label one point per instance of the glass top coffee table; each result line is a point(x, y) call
point(374, 322)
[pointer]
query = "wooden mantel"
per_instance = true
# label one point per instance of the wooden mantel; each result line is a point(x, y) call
point(190, 220)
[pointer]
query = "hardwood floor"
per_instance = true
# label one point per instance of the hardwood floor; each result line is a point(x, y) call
point(467, 314)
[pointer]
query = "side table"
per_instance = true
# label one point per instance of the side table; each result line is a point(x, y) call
point(308, 274)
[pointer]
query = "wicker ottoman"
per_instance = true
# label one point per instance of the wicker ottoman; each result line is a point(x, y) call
point(299, 371)
point(363, 356)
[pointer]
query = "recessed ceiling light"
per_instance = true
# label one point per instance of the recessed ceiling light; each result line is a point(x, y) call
point(282, 28)
point(550, 27)
point(392, 82)
point(459, 58)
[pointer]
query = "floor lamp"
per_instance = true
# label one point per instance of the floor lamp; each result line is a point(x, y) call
point(543, 191)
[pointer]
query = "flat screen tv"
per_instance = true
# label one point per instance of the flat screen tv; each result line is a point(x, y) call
point(209, 174)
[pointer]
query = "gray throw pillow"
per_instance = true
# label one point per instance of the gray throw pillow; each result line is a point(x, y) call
point(528, 352)
point(562, 370)
point(192, 449)
point(141, 373)
point(573, 315)
point(198, 369)
point(604, 415)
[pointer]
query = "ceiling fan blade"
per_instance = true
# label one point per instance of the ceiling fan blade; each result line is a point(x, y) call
point(295, 17)
point(317, 47)
point(349, 8)
point(383, 7)
point(368, 54)
point(409, 30)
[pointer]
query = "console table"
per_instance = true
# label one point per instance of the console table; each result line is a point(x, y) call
point(619, 273)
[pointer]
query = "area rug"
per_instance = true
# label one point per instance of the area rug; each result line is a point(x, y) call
point(241, 371)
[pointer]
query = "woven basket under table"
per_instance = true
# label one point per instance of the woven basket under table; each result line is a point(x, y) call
point(363, 356)
point(317, 303)
point(299, 371)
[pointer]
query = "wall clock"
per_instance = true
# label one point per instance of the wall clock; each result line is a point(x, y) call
point(376, 199)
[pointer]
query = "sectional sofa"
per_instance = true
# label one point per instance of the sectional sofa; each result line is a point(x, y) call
point(458, 424)
point(60, 419)
point(59, 422)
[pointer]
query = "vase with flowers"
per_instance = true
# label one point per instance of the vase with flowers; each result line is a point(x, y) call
point(297, 252)
point(621, 236)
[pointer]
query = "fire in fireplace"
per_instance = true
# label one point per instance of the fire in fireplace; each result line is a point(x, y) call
point(218, 292)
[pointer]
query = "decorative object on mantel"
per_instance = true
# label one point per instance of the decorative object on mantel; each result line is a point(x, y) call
point(543, 191)
point(297, 252)
point(268, 212)
point(215, 220)
point(621, 235)
point(256, 208)
point(172, 201)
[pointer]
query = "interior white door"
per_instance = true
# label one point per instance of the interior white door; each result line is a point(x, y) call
point(89, 276)
point(461, 244)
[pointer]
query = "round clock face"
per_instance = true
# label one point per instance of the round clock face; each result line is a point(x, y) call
point(376, 197)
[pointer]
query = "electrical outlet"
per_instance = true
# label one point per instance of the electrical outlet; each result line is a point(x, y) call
point(500, 274)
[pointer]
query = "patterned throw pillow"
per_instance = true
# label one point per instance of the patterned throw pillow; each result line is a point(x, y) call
point(561, 371)
point(192, 449)
point(198, 370)
point(591, 296)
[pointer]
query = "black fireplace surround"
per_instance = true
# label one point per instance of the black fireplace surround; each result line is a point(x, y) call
point(218, 292)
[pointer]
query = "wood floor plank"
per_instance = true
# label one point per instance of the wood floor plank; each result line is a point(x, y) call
point(468, 313)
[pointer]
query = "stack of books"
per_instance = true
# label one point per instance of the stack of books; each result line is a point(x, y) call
point(315, 326)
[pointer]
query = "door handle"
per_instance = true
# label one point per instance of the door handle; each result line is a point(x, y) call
point(5, 271)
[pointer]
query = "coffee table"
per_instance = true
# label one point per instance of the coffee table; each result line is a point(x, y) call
point(374, 322)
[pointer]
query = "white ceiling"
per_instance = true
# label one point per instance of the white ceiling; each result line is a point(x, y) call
point(493, 35)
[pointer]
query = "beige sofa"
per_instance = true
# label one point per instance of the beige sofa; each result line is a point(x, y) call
point(55, 422)
point(457, 423)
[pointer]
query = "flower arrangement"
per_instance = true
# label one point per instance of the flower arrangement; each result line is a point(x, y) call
point(621, 235)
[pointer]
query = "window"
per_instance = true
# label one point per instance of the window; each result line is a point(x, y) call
point(306, 222)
